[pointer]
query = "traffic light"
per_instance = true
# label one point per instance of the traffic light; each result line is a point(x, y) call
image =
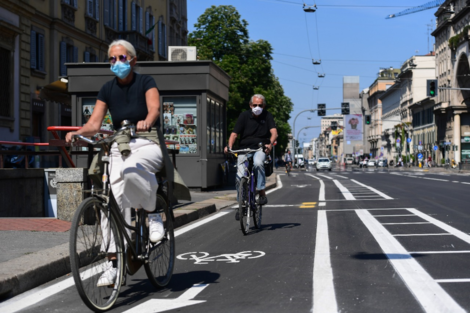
point(334, 125)
point(367, 119)
point(345, 108)
point(431, 87)
point(321, 109)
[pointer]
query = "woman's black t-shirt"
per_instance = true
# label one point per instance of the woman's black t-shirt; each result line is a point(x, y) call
point(127, 102)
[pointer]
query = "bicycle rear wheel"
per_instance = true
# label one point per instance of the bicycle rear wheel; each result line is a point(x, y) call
point(89, 243)
point(257, 215)
point(244, 205)
point(161, 261)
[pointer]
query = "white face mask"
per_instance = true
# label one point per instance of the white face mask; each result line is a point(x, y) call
point(257, 110)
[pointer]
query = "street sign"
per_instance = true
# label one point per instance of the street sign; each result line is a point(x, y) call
point(420, 148)
point(435, 148)
point(370, 154)
point(408, 140)
point(420, 156)
point(381, 148)
point(420, 143)
point(398, 140)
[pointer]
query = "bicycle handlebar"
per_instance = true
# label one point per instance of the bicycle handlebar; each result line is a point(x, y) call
point(247, 150)
point(108, 139)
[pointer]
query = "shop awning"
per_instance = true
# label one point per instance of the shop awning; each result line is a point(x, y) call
point(56, 91)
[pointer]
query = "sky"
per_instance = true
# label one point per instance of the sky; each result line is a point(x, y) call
point(352, 38)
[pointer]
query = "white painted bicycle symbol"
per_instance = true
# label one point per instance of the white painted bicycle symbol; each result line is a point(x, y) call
point(204, 258)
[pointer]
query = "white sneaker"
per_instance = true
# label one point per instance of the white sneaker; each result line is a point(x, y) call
point(108, 277)
point(156, 230)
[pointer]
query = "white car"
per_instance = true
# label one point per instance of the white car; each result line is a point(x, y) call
point(349, 160)
point(312, 162)
point(371, 163)
point(323, 164)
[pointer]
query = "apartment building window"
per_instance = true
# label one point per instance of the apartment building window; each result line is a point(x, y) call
point(6, 78)
point(137, 17)
point(93, 9)
point(150, 29)
point(162, 48)
point(90, 55)
point(72, 3)
point(68, 54)
point(122, 15)
point(109, 13)
point(37, 50)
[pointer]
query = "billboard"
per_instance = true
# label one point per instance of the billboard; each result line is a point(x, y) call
point(353, 127)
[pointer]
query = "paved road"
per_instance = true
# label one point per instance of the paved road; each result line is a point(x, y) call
point(342, 241)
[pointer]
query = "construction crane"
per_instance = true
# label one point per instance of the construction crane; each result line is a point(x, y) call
point(426, 6)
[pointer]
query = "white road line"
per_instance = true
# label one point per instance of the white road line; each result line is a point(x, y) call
point(322, 204)
point(370, 210)
point(279, 205)
point(431, 296)
point(325, 176)
point(440, 252)
point(324, 298)
point(341, 176)
point(455, 181)
point(346, 193)
point(406, 223)
point(434, 234)
point(393, 215)
point(457, 233)
point(321, 196)
point(279, 184)
point(199, 223)
point(456, 280)
point(438, 179)
point(465, 183)
point(373, 189)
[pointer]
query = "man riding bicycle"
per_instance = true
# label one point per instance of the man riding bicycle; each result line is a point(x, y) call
point(254, 126)
point(288, 160)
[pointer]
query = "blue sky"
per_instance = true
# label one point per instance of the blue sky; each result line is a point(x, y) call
point(351, 41)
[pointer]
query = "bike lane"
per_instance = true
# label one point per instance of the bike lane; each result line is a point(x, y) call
point(269, 270)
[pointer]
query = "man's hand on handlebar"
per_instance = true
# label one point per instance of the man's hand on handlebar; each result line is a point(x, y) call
point(268, 149)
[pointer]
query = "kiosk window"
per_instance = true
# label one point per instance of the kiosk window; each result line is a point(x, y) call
point(208, 123)
point(180, 122)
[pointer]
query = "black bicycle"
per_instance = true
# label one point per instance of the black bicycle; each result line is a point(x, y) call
point(247, 198)
point(98, 219)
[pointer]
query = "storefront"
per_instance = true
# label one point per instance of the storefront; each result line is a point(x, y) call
point(193, 98)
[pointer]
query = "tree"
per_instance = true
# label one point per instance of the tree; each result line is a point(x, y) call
point(222, 36)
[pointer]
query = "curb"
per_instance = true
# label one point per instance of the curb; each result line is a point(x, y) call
point(35, 269)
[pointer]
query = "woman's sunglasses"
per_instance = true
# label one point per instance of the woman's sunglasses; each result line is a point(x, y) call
point(122, 58)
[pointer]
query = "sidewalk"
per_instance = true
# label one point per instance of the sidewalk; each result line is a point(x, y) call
point(36, 250)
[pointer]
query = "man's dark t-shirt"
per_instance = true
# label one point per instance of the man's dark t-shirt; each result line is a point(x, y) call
point(254, 130)
point(127, 102)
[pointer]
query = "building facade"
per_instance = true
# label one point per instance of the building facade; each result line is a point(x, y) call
point(453, 73)
point(44, 35)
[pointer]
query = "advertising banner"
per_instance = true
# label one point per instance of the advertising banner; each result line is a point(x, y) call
point(353, 127)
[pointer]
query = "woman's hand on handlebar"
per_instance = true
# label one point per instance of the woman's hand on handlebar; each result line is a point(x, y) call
point(143, 126)
point(69, 136)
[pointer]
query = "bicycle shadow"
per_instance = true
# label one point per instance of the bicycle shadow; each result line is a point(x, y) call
point(140, 288)
point(276, 226)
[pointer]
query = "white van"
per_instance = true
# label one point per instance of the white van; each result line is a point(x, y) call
point(300, 160)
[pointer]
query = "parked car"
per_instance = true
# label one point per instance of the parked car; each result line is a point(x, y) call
point(382, 163)
point(349, 160)
point(312, 162)
point(323, 164)
point(371, 163)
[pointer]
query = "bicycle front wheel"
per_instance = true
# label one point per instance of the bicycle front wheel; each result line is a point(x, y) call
point(161, 261)
point(244, 205)
point(257, 215)
point(93, 235)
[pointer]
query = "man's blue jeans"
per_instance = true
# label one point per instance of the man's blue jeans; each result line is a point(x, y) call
point(258, 168)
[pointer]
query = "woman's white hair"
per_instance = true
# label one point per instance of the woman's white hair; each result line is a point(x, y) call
point(126, 44)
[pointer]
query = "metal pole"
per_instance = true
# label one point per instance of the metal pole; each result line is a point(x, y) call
point(293, 127)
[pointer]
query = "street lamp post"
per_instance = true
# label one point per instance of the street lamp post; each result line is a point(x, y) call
point(293, 126)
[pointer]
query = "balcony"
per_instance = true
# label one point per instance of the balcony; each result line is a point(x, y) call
point(140, 43)
point(174, 12)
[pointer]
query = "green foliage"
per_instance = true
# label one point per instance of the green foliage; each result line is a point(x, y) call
point(454, 41)
point(221, 36)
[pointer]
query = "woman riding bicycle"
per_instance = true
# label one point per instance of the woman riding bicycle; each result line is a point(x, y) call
point(134, 97)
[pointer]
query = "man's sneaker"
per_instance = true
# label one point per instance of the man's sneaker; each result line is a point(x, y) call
point(237, 214)
point(262, 200)
point(108, 277)
point(156, 230)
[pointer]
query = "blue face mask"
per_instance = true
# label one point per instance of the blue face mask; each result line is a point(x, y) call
point(121, 69)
